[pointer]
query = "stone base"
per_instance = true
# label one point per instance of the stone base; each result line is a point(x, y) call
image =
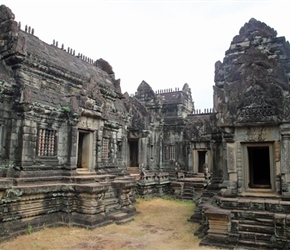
point(86, 201)
point(246, 222)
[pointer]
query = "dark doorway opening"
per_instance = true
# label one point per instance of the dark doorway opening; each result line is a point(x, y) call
point(259, 167)
point(201, 160)
point(133, 146)
point(83, 150)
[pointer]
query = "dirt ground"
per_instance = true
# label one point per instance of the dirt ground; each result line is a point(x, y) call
point(160, 225)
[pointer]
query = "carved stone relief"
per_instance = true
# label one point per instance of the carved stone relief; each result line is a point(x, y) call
point(231, 157)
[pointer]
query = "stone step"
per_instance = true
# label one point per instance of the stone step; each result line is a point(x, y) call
point(126, 178)
point(133, 170)
point(6, 183)
point(115, 170)
point(253, 215)
point(254, 204)
point(55, 188)
point(256, 229)
point(109, 194)
point(123, 221)
point(119, 216)
point(85, 171)
point(86, 178)
point(112, 207)
point(255, 232)
point(111, 201)
point(250, 244)
point(257, 222)
point(136, 176)
point(37, 180)
point(188, 194)
point(194, 175)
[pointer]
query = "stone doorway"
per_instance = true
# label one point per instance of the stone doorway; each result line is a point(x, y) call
point(133, 152)
point(201, 160)
point(201, 156)
point(259, 167)
point(84, 149)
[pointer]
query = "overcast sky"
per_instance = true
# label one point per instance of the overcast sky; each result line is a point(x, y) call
point(165, 43)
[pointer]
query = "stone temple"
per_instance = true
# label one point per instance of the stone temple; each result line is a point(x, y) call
point(72, 145)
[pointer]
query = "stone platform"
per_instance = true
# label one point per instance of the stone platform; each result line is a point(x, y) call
point(88, 200)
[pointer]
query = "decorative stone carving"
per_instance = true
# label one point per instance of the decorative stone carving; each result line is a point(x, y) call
point(231, 157)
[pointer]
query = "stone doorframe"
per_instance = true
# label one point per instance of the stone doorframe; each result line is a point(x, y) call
point(196, 153)
point(85, 149)
point(246, 175)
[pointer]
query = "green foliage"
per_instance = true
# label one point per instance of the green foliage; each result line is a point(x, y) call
point(13, 192)
point(6, 164)
point(29, 229)
point(165, 197)
point(66, 109)
point(180, 201)
point(273, 238)
point(168, 197)
point(144, 197)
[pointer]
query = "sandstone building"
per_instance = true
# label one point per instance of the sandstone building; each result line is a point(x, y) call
point(247, 203)
point(69, 137)
point(69, 140)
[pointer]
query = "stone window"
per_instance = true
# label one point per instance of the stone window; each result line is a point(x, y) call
point(170, 152)
point(46, 142)
point(105, 148)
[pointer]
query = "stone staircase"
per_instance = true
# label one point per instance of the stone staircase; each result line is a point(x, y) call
point(111, 202)
point(256, 229)
point(248, 222)
point(134, 171)
point(188, 188)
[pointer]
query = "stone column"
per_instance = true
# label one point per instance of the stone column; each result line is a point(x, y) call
point(285, 162)
point(99, 147)
point(114, 147)
point(28, 142)
point(217, 160)
point(190, 158)
point(72, 134)
point(160, 152)
point(231, 169)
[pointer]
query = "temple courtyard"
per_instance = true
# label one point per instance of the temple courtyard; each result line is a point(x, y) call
point(160, 224)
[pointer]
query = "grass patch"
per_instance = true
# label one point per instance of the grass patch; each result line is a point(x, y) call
point(160, 224)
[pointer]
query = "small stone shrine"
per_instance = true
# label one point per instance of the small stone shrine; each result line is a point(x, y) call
point(247, 203)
